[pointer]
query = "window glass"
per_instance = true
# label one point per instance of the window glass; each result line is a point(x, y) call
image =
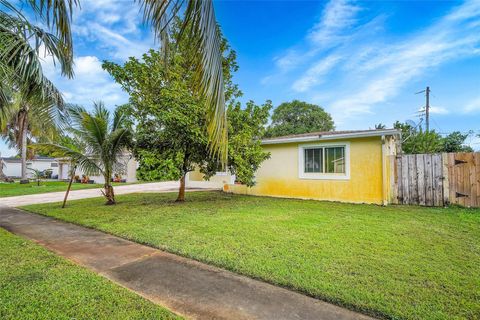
point(335, 160)
point(313, 158)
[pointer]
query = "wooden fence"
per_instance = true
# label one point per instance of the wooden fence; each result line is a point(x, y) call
point(436, 179)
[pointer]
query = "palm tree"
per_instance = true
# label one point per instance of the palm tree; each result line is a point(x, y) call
point(23, 44)
point(104, 139)
point(20, 62)
point(66, 145)
point(28, 116)
point(38, 175)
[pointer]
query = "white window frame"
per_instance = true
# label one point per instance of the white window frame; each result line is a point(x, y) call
point(318, 175)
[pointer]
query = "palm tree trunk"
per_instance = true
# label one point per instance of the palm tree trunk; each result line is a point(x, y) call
point(181, 190)
point(108, 192)
point(69, 186)
point(24, 150)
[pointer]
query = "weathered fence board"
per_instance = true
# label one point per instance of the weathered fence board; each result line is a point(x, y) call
point(419, 179)
point(437, 179)
point(420, 163)
point(464, 180)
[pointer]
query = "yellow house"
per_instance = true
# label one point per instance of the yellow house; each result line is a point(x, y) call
point(348, 166)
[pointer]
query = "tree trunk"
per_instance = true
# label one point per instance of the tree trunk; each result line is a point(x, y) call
point(69, 186)
point(24, 151)
point(181, 190)
point(109, 194)
point(2, 176)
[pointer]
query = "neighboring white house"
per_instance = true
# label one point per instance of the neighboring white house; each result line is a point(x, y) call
point(127, 169)
point(12, 167)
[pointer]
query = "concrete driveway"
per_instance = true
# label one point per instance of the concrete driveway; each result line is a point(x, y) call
point(167, 186)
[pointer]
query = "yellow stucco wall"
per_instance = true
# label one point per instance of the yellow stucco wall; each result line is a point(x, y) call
point(279, 176)
point(222, 178)
point(196, 175)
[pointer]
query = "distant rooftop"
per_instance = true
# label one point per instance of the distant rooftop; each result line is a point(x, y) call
point(331, 135)
point(16, 159)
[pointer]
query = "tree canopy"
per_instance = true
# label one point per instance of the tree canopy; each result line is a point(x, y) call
point(172, 135)
point(299, 117)
point(23, 43)
point(415, 140)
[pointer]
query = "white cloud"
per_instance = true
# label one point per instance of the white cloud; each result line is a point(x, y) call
point(338, 16)
point(472, 106)
point(334, 27)
point(112, 26)
point(102, 29)
point(313, 75)
point(397, 64)
point(88, 65)
point(435, 110)
point(439, 110)
point(91, 83)
point(120, 46)
point(365, 74)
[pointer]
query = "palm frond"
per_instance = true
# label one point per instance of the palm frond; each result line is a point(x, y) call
point(74, 115)
point(203, 31)
point(57, 14)
point(22, 45)
point(203, 26)
point(89, 165)
point(117, 141)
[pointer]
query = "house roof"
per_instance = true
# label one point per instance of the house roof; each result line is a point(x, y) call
point(15, 159)
point(331, 135)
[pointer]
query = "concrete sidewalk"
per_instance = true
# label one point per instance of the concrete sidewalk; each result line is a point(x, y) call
point(187, 287)
point(166, 186)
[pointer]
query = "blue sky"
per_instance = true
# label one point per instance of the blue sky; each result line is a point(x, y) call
point(361, 61)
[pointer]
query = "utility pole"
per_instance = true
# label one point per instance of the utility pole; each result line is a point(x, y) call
point(427, 108)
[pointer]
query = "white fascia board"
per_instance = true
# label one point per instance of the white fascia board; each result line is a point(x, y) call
point(377, 133)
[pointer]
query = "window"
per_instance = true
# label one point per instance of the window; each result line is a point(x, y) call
point(53, 165)
point(313, 160)
point(328, 161)
point(335, 160)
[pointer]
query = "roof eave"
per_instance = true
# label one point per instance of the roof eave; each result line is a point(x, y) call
point(376, 133)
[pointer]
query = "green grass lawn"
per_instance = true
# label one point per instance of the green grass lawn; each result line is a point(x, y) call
point(17, 189)
point(36, 284)
point(395, 262)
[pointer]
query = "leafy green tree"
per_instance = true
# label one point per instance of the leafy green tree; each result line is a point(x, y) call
point(245, 130)
point(299, 117)
point(172, 136)
point(200, 33)
point(380, 126)
point(22, 43)
point(455, 142)
point(418, 141)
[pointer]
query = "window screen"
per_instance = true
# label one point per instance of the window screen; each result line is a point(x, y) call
point(313, 160)
point(335, 160)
